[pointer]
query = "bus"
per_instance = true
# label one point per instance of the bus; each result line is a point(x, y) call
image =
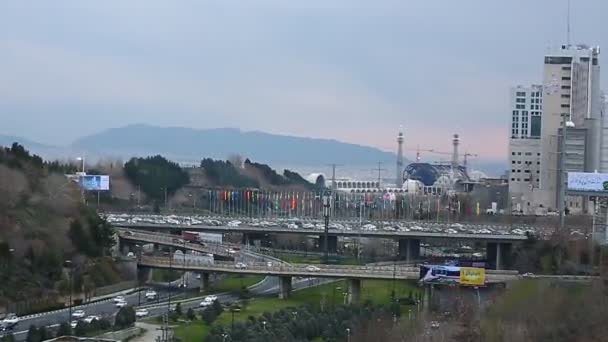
point(443, 274)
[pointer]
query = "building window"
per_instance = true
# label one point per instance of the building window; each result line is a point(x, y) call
point(566, 68)
point(513, 170)
point(520, 106)
point(565, 87)
point(512, 161)
point(518, 179)
point(519, 162)
point(528, 154)
point(565, 96)
point(521, 93)
point(537, 163)
point(512, 179)
point(565, 105)
point(520, 100)
point(512, 153)
point(515, 113)
point(558, 60)
point(566, 78)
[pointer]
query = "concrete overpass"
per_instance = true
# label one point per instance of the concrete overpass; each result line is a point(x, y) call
point(286, 272)
point(498, 245)
point(173, 241)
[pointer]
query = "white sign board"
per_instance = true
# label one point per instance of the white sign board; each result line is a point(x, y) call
point(587, 182)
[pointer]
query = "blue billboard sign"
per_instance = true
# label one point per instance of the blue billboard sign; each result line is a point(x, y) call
point(95, 182)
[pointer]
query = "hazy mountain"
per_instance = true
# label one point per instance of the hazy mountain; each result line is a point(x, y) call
point(186, 144)
point(45, 151)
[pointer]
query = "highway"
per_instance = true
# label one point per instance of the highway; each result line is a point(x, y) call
point(334, 232)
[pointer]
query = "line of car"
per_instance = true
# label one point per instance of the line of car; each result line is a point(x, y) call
point(296, 223)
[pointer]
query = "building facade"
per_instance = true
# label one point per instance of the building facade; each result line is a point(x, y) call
point(570, 90)
point(525, 148)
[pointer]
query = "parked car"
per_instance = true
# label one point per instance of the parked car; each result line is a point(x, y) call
point(78, 314)
point(10, 320)
point(240, 265)
point(141, 313)
point(312, 268)
point(91, 318)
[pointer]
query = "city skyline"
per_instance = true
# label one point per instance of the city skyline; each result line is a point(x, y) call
point(350, 71)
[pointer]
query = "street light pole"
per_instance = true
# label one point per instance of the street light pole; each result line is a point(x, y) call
point(326, 211)
point(68, 263)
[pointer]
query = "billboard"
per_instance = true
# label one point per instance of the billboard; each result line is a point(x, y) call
point(472, 276)
point(95, 182)
point(587, 182)
point(446, 274)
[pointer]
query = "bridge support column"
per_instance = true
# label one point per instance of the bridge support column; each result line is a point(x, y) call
point(284, 287)
point(498, 254)
point(332, 243)
point(427, 297)
point(409, 249)
point(204, 281)
point(354, 291)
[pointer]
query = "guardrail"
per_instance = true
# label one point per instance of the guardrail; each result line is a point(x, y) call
point(340, 232)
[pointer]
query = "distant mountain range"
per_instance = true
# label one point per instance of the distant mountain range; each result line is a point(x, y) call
point(189, 145)
point(186, 144)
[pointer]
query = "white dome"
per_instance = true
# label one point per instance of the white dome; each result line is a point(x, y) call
point(476, 175)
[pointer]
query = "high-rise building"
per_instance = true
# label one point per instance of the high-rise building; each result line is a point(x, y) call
point(524, 147)
point(571, 91)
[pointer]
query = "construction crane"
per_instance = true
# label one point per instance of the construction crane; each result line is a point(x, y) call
point(418, 150)
point(418, 156)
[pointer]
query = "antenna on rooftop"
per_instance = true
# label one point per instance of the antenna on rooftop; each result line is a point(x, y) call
point(568, 25)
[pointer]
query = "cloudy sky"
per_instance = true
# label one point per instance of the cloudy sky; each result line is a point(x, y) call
point(352, 70)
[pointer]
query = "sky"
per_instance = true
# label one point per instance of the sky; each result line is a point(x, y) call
point(350, 70)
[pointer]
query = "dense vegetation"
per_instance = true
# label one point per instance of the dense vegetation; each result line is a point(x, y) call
point(224, 174)
point(296, 179)
point(267, 173)
point(43, 223)
point(155, 175)
point(304, 323)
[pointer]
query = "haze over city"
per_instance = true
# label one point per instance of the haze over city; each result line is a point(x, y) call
point(347, 70)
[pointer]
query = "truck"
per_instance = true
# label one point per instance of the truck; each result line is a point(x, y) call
point(201, 238)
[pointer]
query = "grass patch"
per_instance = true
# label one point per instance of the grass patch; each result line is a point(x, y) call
point(376, 291)
point(235, 282)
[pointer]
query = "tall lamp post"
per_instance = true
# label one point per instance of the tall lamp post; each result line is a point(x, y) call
point(326, 211)
point(68, 263)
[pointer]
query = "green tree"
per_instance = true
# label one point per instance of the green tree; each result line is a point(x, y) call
point(191, 315)
point(125, 317)
point(178, 309)
point(217, 307)
point(81, 329)
point(7, 338)
point(64, 330)
point(33, 335)
point(208, 315)
point(155, 175)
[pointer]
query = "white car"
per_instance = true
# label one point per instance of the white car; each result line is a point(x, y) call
point(141, 313)
point(211, 298)
point(78, 314)
point(73, 324)
point(234, 223)
point(91, 318)
point(435, 325)
point(10, 320)
point(311, 268)
point(205, 303)
point(269, 264)
point(240, 265)
point(121, 304)
point(119, 299)
point(150, 294)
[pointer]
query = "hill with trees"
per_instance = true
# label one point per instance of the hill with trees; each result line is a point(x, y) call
point(43, 223)
point(156, 175)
